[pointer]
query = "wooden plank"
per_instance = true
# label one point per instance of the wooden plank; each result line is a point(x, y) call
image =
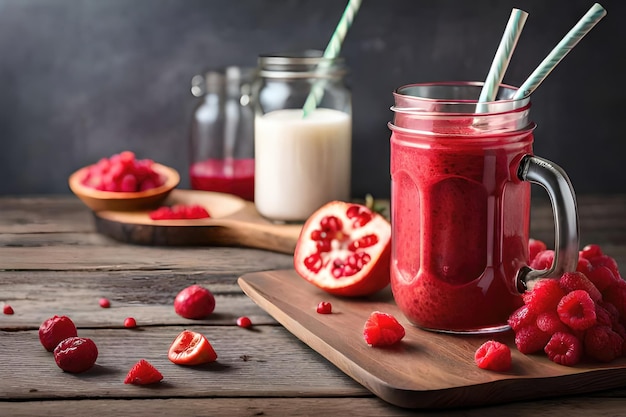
point(265, 360)
point(147, 296)
point(130, 257)
point(426, 369)
point(295, 407)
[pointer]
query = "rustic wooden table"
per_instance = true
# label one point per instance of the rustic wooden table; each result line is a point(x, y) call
point(53, 262)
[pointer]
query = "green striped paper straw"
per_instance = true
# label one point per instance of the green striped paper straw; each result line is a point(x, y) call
point(331, 52)
point(584, 25)
point(502, 58)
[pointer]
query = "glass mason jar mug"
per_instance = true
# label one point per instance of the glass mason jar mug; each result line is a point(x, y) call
point(460, 202)
point(222, 132)
point(302, 161)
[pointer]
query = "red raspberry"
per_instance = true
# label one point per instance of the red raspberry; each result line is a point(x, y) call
point(179, 211)
point(54, 330)
point(531, 339)
point(7, 309)
point(76, 354)
point(591, 251)
point(543, 260)
point(605, 260)
point(545, 296)
point(603, 344)
point(571, 281)
point(602, 277)
point(194, 302)
point(534, 247)
point(244, 322)
point(493, 355)
point(564, 348)
point(616, 295)
point(130, 322)
point(382, 329)
point(143, 373)
point(521, 317)
point(603, 317)
point(550, 323)
point(324, 307)
point(104, 302)
point(584, 266)
point(577, 310)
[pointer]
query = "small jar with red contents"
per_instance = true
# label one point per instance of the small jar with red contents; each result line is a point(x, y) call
point(222, 132)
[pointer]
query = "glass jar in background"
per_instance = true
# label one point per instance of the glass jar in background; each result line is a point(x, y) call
point(222, 132)
point(301, 161)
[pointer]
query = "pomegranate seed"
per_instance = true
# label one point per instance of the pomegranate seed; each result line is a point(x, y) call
point(130, 322)
point(323, 246)
point(363, 242)
point(331, 224)
point(324, 307)
point(244, 322)
point(362, 219)
point(7, 309)
point(317, 235)
point(349, 270)
point(104, 303)
point(313, 262)
point(352, 212)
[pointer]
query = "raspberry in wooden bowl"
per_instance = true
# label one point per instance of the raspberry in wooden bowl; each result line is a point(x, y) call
point(123, 183)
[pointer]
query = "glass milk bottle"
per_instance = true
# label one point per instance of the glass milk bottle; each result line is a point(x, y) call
point(301, 161)
point(222, 132)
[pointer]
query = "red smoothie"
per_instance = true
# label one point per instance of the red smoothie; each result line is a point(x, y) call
point(460, 219)
point(215, 175)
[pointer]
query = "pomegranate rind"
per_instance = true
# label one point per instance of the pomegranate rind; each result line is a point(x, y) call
point(373, 277)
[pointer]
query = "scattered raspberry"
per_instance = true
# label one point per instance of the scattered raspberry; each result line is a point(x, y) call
point(143, 373)
point(521, 317)
point(543, 260)
point(545, 296)
point(130, 322)
point(564, 349)
point(530, 339)
point(179, 212)
point(382, 329)
point(104, 302)
point(244, 322)
point(76, 354)
point(534, 247)
point(54, 330)
point(324, 307)
point(194, 302)
point(7, 309)
point(591, 251)
point(123, 173)
point(603, 344)
point(494, 356)
point(571, 281)
point(577, 310)
point(550, 323)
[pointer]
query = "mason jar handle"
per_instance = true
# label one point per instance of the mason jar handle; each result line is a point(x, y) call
point(554, 179)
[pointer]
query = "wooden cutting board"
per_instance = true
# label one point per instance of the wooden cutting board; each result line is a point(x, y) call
point(233, 222)
point(426, 369)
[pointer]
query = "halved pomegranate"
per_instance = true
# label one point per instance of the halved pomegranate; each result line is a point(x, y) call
point(344, 249)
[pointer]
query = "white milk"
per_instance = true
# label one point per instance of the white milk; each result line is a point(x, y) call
point(301, 163)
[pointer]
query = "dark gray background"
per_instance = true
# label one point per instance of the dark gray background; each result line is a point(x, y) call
point(83, 79)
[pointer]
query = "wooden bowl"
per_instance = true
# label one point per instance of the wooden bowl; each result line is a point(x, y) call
point(98, 200)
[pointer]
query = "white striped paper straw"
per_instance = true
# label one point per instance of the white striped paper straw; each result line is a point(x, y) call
point(584, 25)
point(332, 51)
point(502, 58)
